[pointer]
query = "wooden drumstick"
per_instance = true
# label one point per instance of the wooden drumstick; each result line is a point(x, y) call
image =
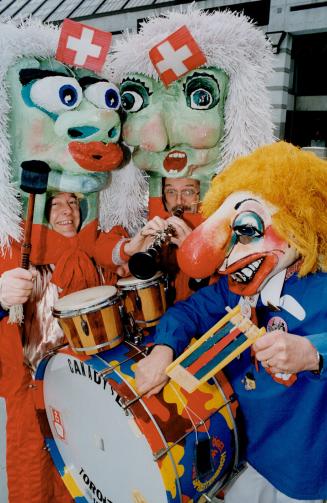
point(34, 180)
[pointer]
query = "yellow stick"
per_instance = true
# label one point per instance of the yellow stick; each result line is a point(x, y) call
point(204, 337)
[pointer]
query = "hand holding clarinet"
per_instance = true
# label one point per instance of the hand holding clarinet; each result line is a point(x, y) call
point(146, 246)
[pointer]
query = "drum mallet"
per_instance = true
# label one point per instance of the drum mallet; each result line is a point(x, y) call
point(34, 180)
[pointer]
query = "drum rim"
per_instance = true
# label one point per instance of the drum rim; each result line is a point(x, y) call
point(140, 284)
point(236, 460)
point(71, 313)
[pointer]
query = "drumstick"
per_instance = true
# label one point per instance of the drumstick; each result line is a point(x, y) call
point(34, 180)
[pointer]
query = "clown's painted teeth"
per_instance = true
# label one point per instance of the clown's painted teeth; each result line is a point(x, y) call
point(246, 274)
point(238, 276)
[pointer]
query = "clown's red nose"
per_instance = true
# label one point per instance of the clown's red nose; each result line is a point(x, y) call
point(203, 251)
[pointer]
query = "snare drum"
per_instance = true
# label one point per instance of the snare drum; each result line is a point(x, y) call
point(91, 319)
point(109, 445)
point(144, 300)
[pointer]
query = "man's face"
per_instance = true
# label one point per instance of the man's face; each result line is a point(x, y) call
point(239, 239)
point(64, 216)
point(181, 192)
point(175, 130)
point(66, 118)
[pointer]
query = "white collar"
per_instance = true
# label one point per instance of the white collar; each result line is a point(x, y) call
point(272, 290)
point(271, 295)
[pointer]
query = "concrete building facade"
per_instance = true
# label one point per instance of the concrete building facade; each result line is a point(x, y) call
point(297, 30)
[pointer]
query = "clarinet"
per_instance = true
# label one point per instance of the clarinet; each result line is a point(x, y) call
point(144, 265)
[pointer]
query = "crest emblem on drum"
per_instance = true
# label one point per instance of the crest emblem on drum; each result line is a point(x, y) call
point(58, 423)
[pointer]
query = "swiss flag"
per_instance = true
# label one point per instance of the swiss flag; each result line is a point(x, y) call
point(82, 45)
point(176, 55)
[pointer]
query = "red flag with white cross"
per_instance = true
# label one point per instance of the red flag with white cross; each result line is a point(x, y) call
point(82, 45)
point(176, 55)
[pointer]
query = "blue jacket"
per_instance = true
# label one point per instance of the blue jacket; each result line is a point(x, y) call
point(285, 430)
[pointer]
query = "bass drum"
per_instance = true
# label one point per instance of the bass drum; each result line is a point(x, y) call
point(112, 446)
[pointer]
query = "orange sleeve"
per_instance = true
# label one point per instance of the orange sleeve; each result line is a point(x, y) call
point(107, 244)
point(11, 260)
point(30, 473)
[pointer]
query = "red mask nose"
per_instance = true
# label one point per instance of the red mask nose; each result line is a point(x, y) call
point(96, 156)
point(203, 251)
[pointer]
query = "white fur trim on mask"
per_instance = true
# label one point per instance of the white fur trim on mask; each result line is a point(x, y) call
point(230, 42)
point(124, 201)
point(34, 39)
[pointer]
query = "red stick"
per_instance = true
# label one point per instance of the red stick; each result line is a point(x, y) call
point(26, 246)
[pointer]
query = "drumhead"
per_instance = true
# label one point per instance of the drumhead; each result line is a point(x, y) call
point(102, 448)
point(85, 300)
point(147, 452)
point(131, 281)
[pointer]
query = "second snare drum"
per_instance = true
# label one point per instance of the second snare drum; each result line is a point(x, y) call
point(144, 300)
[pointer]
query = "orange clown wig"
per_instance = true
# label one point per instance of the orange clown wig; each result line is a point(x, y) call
point(295, 183)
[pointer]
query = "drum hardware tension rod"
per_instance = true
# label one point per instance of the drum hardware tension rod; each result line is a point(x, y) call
point(111, 368)
point(236, 472)
point(56, 348)
point(206, 497)
point(144, 351)
point(162, 452)
point(126, 405)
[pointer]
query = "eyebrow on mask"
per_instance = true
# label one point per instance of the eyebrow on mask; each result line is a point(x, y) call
point(237, 205)
point(26, 75)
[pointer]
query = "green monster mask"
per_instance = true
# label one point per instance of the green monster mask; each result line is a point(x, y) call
point(68, 119)
point(198, 124)
point(176, 131)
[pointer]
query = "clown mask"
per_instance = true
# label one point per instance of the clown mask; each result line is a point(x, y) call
point(175, 130)
point(239, 241)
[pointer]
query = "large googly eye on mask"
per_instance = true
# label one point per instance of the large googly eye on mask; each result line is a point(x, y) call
point(247, 227)
point(103, 95)
point(56, 94)
point(134, 96)
point(201, 92)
